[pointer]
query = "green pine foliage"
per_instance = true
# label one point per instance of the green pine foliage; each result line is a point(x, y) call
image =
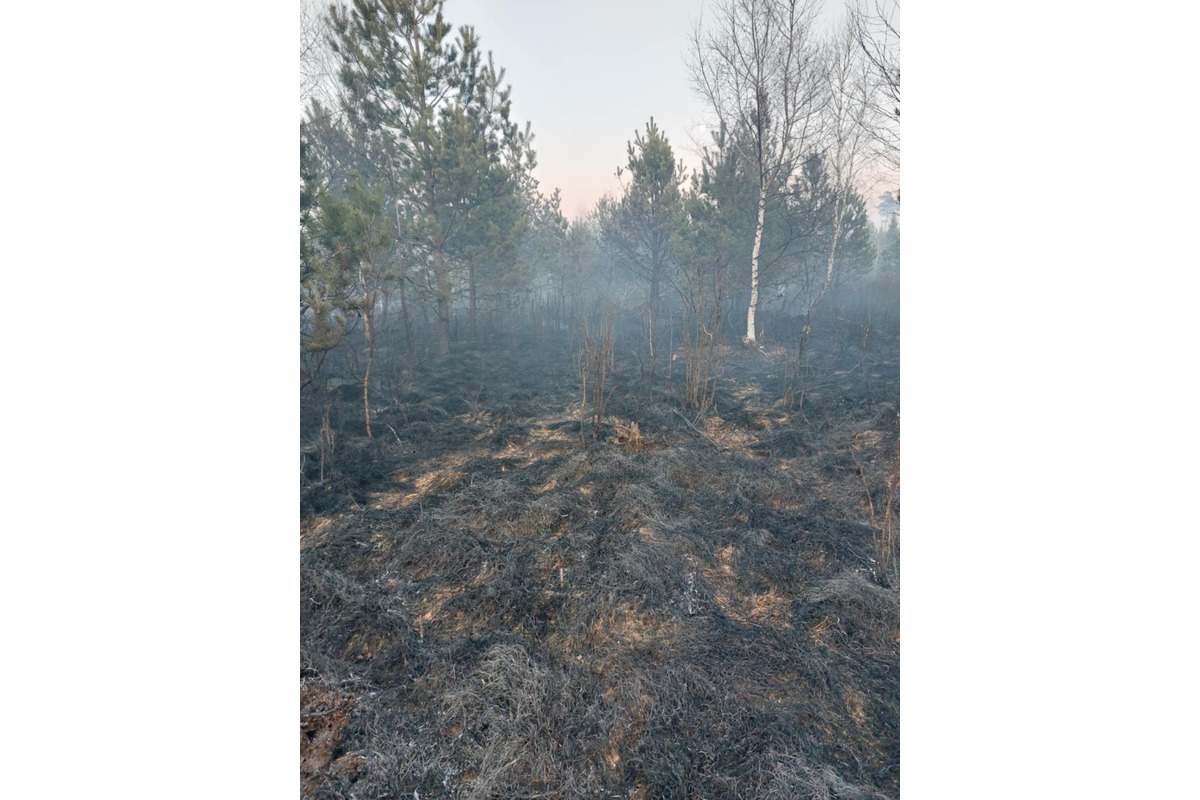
point(639, 228)
point(429, 117)
point(418, 185)
point(325, 284)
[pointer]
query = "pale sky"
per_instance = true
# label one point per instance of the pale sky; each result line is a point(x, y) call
point(589, 75)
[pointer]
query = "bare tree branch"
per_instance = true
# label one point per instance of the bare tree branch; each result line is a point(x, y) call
point(877, 33)
point(758, 70)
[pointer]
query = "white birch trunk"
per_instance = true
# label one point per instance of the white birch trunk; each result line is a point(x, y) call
point(758, 231)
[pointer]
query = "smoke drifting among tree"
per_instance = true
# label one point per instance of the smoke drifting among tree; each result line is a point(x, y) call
point(609, 505)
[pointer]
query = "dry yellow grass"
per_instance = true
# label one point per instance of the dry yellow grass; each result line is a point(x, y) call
point(316, 532)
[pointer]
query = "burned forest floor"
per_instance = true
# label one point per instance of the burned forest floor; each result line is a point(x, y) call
point(497, 604)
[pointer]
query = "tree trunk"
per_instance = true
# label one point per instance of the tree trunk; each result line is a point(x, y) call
point(758, 231)
point(400, 280)
point(408, 335)
point(369, 329)
point(838, 214)
point(471, 291)
point(655, 303)
point(443, 298)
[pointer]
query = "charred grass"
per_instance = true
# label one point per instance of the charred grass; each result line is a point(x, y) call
point(491, 609)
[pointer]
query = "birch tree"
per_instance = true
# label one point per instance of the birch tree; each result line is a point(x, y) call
point(846, 136)
point(759, 69)
point(877, 32)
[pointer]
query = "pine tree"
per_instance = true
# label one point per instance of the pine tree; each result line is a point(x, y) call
point(712, 230)
point(640, 227)
point(324, 283)
point(356, 231)
point(434, 121)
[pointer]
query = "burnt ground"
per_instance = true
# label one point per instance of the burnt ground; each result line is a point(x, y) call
point(492, 609)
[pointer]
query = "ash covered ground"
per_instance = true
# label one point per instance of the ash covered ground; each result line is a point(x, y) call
point(501, 598)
